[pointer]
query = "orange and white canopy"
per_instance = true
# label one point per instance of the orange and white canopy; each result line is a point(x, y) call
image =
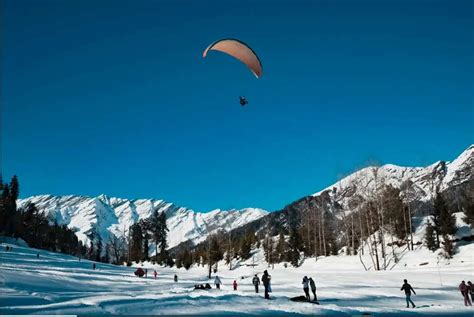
point(240, 51)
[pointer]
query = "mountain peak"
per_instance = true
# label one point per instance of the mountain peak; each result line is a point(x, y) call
point(111, 216)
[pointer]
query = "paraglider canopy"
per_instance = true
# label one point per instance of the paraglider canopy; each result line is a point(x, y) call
point(240, 51)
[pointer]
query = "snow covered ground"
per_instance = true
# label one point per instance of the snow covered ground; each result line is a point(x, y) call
point(61, 284)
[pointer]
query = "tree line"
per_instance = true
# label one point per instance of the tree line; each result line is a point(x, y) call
point(33, 226)
point(381, 219)
point(40, 231)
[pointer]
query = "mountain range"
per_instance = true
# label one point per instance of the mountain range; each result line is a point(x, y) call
point(109, 215)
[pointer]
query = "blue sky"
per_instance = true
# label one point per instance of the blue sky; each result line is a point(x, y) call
point(115, 98)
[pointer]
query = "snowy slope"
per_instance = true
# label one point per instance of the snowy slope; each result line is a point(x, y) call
point(113, 215)
point(61, 284)
point(417, 183)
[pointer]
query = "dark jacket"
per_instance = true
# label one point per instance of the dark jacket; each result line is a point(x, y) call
point(255, 280)
point(305, 283)
point(312, 284)
point(407, 288)
point(265, 279)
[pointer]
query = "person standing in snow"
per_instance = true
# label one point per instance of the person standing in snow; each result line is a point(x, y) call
point(408, 289)
point(464, 289)
point(313, 288)
point(176, 278)
point(256, 282)
point(155, 273)
point(266, 283)
point(93, 266)
point(218, 282)
point(471, 290)
point(146, 273)
point(306, 287)
point(235, 285)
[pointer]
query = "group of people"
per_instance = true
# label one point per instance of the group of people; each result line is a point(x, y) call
point(266, 278)
point(144, 273)
point(467, 290)
point(309, 282)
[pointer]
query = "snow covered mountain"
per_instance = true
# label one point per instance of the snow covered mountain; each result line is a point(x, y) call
point(418, 184)
point(110, 215)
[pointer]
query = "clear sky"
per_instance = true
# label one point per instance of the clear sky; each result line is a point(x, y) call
point(114, 97)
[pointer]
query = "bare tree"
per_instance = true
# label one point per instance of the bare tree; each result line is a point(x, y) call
point(115, 245)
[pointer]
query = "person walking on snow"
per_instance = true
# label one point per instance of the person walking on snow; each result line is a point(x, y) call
point(218, 282)
point(306, 287)
point(464, 289)
point(155, 274)
point(266, 283)
point(256, 282)
point(235, 285)
point(176, 278)
point(313, 288)
point(471, 291)
point(408, 289)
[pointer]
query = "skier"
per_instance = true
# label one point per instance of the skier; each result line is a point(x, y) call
point(256, 282)
point(471, 290)
point(218, 282)
point(176, 278)
point(313, 288)
point(408, 289)
point(266, 283)
point(464, 289)
point(235, 285)
point(93, 266)
point(306, 288)
point(155, 273)
point(37, 255)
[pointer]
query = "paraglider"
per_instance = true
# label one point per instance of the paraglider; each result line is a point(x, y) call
point(241, 51)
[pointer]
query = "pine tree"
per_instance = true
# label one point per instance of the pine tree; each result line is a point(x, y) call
point(91, 250)
point(281, 248)
point(179, 261)
point(245, 247)
point(14, 189)
point(162, 239)
point(438, 207)
point(98, 253)
point(430, 239)
point(294, 247)
point(136, 243)
point(145, 248)
point(187, 259)
point(448, 221)
point(106, 258)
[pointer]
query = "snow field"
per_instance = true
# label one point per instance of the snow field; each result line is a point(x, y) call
point(61, 284)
